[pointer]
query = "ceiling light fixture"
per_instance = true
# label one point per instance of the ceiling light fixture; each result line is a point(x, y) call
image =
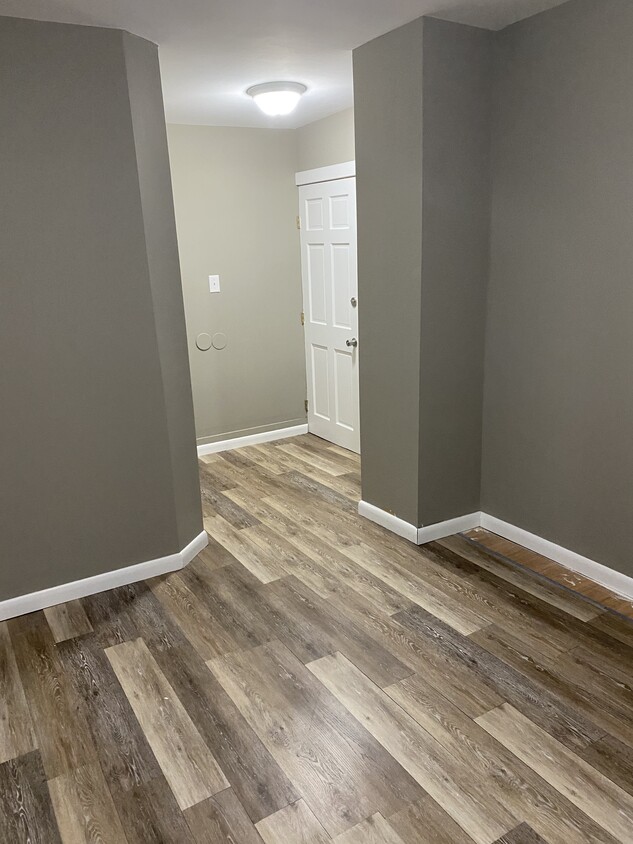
point(277, 98)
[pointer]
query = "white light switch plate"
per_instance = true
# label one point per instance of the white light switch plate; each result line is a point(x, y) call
point(214, 284)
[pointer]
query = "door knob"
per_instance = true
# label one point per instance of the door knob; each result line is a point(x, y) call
point(353, 302)
point(353, 342)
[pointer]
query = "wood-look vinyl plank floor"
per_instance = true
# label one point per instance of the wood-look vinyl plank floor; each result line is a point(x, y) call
point(221, 819)
point(419, 752)
point(425, 822)
point(294, 824)
point(504, 568)
point(290, 712)
point(522, 835)
point(599, 798)
point(258, 781)
point(373, 830)
point(564, 722)
point(150, 814)
point(17, 736)
point(26, 811)
point(419, 590)
point(322, 568)
point(310, 627)
point(552, 571)
point(62, 733)
point(186, 761)
point(67, 621)
point(84, 807)
point(310, 677)
point(120, 744)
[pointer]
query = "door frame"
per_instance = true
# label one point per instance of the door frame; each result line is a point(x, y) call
point(347, 170)
point(331, 173)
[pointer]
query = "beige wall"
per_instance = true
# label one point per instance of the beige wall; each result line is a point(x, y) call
point(236, 208)
point(327, 141)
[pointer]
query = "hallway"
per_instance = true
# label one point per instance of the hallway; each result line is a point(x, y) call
point(311, 677)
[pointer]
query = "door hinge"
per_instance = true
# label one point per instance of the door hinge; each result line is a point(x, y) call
point(303, 318)
point(298, 222)
point(306, 405)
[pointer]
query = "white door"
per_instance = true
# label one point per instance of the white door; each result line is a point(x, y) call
point(330, 291)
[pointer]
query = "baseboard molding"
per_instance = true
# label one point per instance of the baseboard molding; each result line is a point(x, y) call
point(431, 533)
point(101, 582)
point(252, 439)
point(418, 535)
point(617, 582)
point(388, 521)
point(609, 578)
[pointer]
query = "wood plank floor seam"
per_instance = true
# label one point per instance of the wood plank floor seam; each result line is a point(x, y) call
point(312, 678)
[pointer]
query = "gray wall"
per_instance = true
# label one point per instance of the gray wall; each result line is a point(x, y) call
point(457, 75)
point(558, 420)
point(94, 376)
point(236, 207)
point(557, 456)
point(150, 134)
point(327, 141)
point(422, 104)
point(388, 118)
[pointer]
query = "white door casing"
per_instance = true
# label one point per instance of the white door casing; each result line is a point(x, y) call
point(330, 293)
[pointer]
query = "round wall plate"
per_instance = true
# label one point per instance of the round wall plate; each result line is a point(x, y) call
point(219, 341)
point(203, 342)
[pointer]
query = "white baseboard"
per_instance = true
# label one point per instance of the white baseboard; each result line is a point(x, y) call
point(386, 520)
point(101, 582)
point(609, 578)
point(418, 535)
point(431, 533)
point(617, 582)
point(252, 439)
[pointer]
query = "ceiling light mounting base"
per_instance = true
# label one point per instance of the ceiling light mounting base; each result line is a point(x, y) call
point(277, 98)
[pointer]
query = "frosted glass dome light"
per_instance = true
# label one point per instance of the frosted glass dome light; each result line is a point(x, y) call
point(277, 98)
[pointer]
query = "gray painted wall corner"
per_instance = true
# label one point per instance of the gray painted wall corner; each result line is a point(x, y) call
point(150, 136)
point(80, 349)
point(527, 305)
point(422, 108)
point(558, 413)
point(457, 78)
point(388, 124)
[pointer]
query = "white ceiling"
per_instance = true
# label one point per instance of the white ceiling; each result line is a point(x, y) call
point(211, 51)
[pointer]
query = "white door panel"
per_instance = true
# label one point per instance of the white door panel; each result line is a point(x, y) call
point(344, 389)
point(320, 383)
point(317, 284)
point(330, 290)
